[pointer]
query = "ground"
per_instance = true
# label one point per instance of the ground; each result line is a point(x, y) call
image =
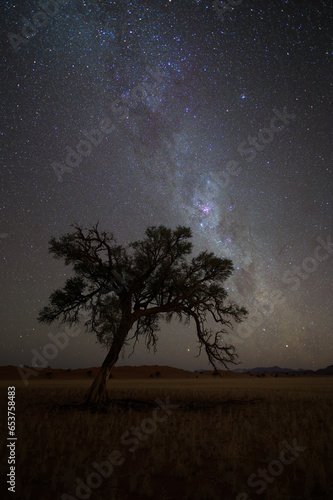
point(171, 435)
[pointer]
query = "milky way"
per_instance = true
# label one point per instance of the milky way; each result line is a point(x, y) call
point(150, 113)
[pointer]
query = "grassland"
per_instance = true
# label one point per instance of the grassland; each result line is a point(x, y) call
point(223, 432)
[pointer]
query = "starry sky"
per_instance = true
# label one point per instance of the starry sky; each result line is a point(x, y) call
point(140, 113)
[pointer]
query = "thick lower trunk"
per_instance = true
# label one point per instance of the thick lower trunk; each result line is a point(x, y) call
point(97, 393)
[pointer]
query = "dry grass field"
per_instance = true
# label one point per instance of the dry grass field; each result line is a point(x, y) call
point(193, 438)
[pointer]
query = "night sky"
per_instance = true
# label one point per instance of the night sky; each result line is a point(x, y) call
point(182, 114)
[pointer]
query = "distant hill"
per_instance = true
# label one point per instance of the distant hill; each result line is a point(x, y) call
point(325, 371)
point(146, 372)
point(278, 369)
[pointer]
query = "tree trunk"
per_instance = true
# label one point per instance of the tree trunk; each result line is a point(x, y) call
point(97, 393)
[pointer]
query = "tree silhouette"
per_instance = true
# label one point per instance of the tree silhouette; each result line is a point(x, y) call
point(134, 287)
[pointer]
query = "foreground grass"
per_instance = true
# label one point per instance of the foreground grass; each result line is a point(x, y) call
point(222, 432)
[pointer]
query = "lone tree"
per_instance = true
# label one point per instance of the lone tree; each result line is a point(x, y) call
point(122, 288)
